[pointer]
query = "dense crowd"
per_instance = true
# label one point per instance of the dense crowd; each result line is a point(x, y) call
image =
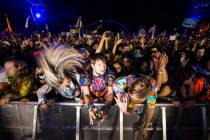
point(110, 68)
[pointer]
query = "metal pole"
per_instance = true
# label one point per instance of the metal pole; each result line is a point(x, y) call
point(77, 122)
point(34, 122)
point(205, 127)
point(164, 122)
point(177, 123)
point(99, 127)
point(121, 125)
point(20, 120)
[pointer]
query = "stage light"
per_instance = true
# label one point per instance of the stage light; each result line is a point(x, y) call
point(38, 15)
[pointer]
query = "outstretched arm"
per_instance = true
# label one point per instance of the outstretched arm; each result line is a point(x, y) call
point(86, 92)
point(101, 44)
point(115, 46)
point(162, 75)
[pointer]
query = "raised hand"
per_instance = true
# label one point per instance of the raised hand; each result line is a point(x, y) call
point(119, 41)
point(106, 35)
point(122, 103)
point(162, 61)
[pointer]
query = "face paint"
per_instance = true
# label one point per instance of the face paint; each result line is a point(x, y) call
point(99, 67)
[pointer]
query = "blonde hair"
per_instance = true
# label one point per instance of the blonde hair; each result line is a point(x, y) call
point(58, 60)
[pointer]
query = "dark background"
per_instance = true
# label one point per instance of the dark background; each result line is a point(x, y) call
point(132, 13)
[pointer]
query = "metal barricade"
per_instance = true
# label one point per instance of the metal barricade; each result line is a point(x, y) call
point(70, 121)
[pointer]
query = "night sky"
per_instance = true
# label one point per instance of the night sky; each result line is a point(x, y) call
point(132, 13)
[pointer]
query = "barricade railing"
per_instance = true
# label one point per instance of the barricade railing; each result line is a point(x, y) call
point(78, 107)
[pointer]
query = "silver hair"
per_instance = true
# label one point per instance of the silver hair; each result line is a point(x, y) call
point(55, 60)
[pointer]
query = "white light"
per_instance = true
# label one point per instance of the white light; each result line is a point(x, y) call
point(38, 15)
